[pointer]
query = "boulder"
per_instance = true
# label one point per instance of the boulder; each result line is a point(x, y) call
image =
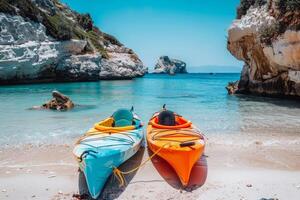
point(59, 102)
point(232, 87)
point(166, 65)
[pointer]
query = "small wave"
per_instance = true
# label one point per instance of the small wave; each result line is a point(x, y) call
point(266, 143)
point(80, 107)
point(77, 107)
point(38, 165)
point(188, 96)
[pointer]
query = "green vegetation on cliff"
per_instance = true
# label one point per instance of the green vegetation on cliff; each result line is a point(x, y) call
point(61, 23)
point(288, 5)
point(246, 4)
point(286, 13)
point(283, 6)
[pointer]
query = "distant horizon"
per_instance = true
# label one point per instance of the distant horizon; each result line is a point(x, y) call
point(209, 69)
point(194, 32)
point(200, 73)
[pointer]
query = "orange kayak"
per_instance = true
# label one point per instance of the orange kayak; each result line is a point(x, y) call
point(179, 143)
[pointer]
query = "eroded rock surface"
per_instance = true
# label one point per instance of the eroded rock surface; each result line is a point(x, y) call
point(44, 41)
point(166, 65)
point(266, 36)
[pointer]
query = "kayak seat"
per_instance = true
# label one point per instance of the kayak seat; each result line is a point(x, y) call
point(166, 118)
point(122, 117)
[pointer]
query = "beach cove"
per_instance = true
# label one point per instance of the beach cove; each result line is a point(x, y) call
point(252, 149)
point(144, 99)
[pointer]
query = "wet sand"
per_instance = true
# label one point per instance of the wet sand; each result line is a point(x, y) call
point(234, 167)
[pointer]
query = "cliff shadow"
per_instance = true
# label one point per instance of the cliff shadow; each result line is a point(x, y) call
point(112, 190)
point(197, 178)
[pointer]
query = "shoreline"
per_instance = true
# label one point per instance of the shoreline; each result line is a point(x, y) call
point(254, 171)
point(53, 81)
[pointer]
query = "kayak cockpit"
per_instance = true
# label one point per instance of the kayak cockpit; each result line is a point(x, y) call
point(121, 120)
point(169, 120)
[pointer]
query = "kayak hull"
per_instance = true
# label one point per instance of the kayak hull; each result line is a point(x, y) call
point(102, 153)
point(182, 159)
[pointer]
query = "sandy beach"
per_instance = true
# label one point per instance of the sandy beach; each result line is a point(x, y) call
point(234, 167)
point(213, 86)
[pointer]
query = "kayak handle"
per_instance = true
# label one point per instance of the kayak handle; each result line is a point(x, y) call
point(85, 153)
point(187, 144)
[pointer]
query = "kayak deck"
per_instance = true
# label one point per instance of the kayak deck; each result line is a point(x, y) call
point(181, 148)
point(99, 154)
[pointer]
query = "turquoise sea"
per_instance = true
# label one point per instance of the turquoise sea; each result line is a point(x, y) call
point(201, 98)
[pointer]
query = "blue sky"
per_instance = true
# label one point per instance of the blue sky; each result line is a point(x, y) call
point(191, 30)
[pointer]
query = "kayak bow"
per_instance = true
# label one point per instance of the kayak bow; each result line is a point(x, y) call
point(180, 144)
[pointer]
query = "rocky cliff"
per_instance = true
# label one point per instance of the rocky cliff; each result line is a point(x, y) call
point(266, 36)
point(166, 65)
point(44, 40)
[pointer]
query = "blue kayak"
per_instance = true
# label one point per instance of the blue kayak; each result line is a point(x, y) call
point(106, 146)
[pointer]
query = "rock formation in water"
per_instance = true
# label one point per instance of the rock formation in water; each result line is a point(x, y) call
point(166, 65)
point(59, 102)
point(232, 87)
point(266, 36)
point(44, 41)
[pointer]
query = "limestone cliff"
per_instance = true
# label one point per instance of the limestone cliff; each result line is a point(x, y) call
point(44, 41)
point(166, 65)
point(266, 36)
